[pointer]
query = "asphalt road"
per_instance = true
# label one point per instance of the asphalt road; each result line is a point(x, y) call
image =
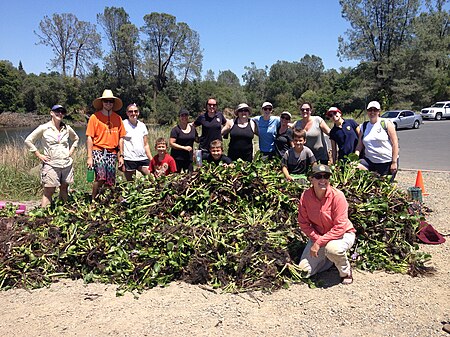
point(426, 148)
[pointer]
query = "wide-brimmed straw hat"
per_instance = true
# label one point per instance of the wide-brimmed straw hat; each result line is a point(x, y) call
point(107, 94)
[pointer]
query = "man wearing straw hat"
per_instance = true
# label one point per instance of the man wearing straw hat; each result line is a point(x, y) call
point(105, 132)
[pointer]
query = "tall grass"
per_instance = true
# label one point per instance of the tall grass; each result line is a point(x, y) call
point(20, 169)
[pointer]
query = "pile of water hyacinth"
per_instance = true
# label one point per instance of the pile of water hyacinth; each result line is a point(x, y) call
point(233, 228)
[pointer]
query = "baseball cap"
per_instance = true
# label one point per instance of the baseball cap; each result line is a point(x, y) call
point(374, 104)
point(59, 107)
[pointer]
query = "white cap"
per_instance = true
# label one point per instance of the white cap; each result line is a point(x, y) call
point(374, 104)
point(266, 104)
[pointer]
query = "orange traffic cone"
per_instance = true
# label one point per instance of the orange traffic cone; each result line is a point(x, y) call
point(419, 182)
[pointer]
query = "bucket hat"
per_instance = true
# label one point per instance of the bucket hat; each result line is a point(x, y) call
point(242, 106)
point(107, 94)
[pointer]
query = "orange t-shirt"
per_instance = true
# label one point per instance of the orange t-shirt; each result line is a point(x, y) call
point(105, 131)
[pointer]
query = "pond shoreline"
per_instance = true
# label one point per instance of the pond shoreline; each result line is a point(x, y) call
point(29, 119)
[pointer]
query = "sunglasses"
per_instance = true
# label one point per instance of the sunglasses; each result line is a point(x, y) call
point(212, 105)
point(133, 111)
point(184, 115)
point(332, 113)
point(243, 110)
point(285, 117)
point(267, 109)
point(60, 111)
point(108, 101)
point(319, 176)
point(305, 109)
point(372, 109)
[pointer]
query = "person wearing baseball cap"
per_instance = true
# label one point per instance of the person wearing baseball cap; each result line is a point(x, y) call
point(267, 126)
point(323, 217)
point(284, 136)
point(105, 132)
point(181, 141)
point(57, 163)
point(343, 135)
point(378, 138)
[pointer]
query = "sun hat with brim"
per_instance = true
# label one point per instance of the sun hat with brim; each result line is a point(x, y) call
point(320, 168)
point(286, 113)
point(430, 235)
point(333, 109)
point(57, 107)
point(266, 104)
point(107, 94)
point(374, 104)
point(242, 106)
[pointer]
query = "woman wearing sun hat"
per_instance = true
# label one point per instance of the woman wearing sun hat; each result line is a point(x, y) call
point(323, 217)
point(242, 131)
point(343, 135)
point(57, 163)
point(105, 132)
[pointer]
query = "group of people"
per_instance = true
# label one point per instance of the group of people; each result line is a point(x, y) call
point(301, 147)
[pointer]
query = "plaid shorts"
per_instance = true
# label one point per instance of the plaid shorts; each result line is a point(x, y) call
point(105, 166)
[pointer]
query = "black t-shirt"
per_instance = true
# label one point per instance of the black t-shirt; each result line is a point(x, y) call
point(223, 159)
point(183, 139)
point(211, 128)
point(283, 141)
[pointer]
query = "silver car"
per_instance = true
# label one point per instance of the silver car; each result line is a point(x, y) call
point(403, 119)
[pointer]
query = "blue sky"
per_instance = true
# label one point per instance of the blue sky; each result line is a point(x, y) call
point(233, 33)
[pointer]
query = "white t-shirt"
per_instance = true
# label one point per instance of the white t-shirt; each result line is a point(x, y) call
point(133, 142)
point(378, 147)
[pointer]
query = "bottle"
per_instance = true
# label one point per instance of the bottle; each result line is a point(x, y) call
point(198, 158)
point(90, 175)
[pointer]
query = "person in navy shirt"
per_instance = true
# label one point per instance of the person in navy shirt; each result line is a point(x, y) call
point(344, 135)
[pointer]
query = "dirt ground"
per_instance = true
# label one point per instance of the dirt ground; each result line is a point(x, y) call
point(376, 304)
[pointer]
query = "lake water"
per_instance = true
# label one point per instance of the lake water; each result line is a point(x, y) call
point(18, 135)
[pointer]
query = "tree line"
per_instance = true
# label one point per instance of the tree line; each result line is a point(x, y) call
point(402, 47)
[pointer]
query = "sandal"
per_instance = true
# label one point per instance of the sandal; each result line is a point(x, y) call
point(347, 279)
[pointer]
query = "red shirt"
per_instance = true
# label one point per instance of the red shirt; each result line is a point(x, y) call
point(324, 220)
point(163, 167)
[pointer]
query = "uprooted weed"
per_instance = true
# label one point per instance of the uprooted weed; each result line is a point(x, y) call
point(233, 228)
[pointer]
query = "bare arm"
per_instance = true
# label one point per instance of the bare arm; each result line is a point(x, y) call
point(89, 144)
point(147, 148)
point(333, 152)
point(324, 127)
point(227, 127)
point(173, 144)
point(394, 140)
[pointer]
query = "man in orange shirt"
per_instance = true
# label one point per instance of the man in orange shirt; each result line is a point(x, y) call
point(105, 132)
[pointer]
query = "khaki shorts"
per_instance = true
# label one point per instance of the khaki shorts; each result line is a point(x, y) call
point(55, 176)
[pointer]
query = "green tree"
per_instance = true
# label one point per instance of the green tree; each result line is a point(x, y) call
point(255, 86)
point(228, 78)
point(75, 43)
point(122, 61)
point(10, 87)
point(166, 46)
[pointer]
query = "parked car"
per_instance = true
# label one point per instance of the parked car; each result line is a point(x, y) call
point(404, 119)
point(437, 111)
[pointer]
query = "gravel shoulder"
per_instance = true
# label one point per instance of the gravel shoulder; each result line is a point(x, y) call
point(376, 304)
